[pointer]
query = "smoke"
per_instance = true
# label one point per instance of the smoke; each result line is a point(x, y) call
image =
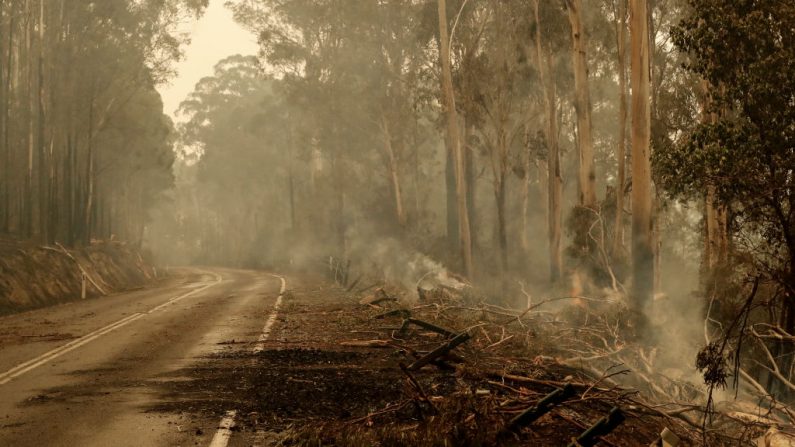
point(677, 309)
point(397, 263)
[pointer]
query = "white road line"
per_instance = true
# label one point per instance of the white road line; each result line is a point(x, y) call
point(224, 433)
point(266, 331)
point(53, 354)
point(221, 438)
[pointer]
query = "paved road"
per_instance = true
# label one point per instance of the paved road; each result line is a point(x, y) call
point(87, 373)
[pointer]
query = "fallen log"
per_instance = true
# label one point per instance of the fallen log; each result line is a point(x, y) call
point(376, 298)
point(543, 407)
point(417, 387)
point(431, 327)
point(367, 343)
point(404, 313)
point(440, 351)
point(440, 363)
point(382, 300)
point(602, 427)
point(354, 283)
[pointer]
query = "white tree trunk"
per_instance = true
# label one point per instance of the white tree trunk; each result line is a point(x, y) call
point(642, 244)
point(587, 175)
point(555, 188)
point(621, 156)
point(455, 141)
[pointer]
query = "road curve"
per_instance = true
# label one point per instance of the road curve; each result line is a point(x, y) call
point(87, 373)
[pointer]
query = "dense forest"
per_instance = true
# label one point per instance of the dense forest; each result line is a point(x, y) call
point(640, 148)
point(86, 148)
point(633, 148)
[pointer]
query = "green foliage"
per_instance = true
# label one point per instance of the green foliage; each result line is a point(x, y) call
point(745, 50)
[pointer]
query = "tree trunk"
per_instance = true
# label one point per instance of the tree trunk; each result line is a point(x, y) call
point(555, 188)
point(621, 36)
point(455, 142)
point(6, 224)
point(394, 174)
point(43, 171)
point(502, 233)
point(524, 234)
point(715, 221)
point(291, 176)
point(450, 194)
point(69, 188)
point(89, 198)
point(587, 175)
point(28, 195)
point(471, 171)
point(543, 189)
point(716, 246)
point(642, 249)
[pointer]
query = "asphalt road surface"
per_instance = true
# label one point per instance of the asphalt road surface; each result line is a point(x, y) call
point(87, 373)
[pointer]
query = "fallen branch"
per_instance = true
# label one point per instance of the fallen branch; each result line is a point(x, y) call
point(367, 343)
point(416, 385)
point(543, 407)
point(431, 327)
point(82, 270)
point(440, 351)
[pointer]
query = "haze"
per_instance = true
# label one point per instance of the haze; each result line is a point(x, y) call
point(397, 223)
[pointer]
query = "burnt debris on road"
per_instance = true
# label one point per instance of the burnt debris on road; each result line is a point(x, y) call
point(452, 369)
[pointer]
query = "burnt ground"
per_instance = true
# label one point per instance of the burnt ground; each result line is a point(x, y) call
point(314, 384)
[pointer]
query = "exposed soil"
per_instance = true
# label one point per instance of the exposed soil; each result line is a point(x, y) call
point(33, 276)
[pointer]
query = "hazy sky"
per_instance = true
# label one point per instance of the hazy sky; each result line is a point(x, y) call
point(213, 37)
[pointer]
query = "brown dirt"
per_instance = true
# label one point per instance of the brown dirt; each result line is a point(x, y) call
point(33, 276)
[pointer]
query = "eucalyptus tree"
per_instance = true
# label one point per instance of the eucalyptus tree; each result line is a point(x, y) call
point(582, 104)
point(642, 249)
point(745, 153)
point(546, 64)
point(234, 131)
point(70, 69)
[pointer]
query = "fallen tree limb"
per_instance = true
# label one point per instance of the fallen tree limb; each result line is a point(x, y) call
point(367, 343)
point(431, 327)
point(543, 407)
point(601, 428)
point(82, 270)
point(417, 387)
point(440, 351)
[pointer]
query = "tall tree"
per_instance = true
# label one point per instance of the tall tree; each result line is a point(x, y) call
point(454, 136)
point(582, 104)
point(555, 189)
point(621, 51)
point(642, 245)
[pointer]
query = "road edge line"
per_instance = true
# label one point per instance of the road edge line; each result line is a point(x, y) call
point(29, 365)
point(224, 433)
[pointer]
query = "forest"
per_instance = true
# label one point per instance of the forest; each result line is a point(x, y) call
point(639, 150)
point(86, 148)
point(643, 149)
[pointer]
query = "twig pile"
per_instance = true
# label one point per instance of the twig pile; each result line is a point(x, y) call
point(480, 374)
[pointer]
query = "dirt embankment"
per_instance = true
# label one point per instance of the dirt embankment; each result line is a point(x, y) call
point(33, 276)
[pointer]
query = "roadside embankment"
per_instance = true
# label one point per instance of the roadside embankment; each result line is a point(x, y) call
point(33, 276)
